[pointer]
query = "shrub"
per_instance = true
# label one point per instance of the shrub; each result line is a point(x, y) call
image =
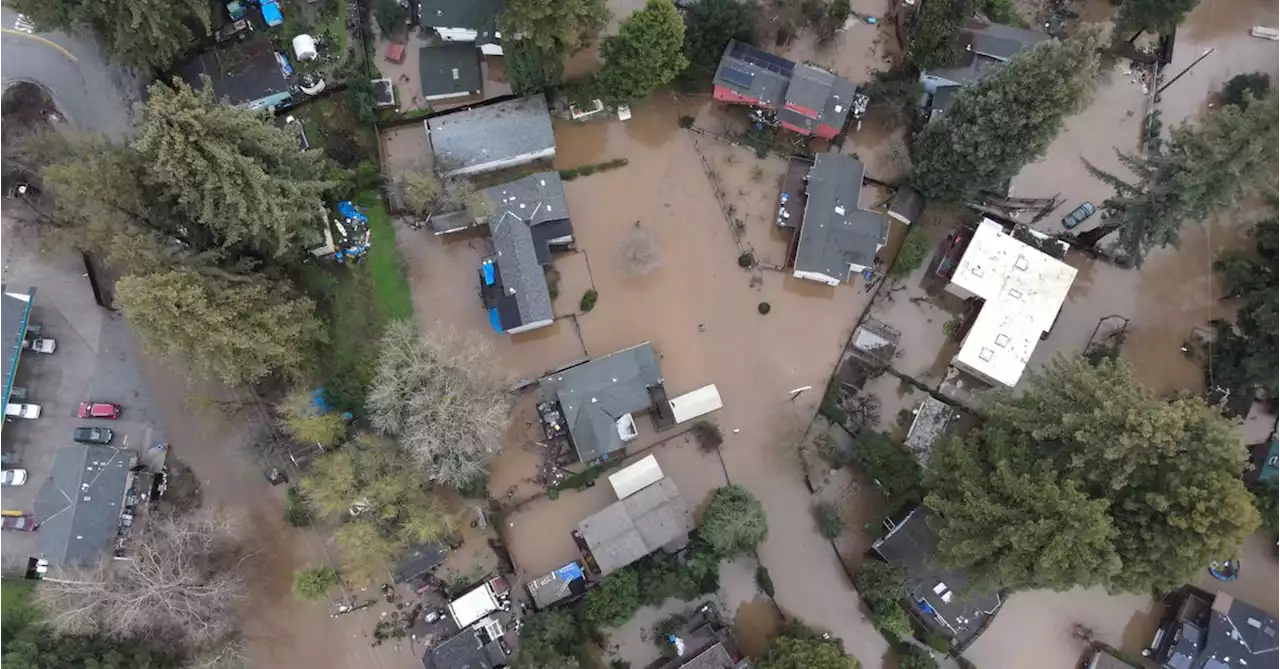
point(313, 583)
point(764, 581)
point(708, 435)
point(890, 619)
point(763, 308)
point(746, 260)
point(935, 640)
point(686, 121)
point(1255, 84)
point(613, 601)
point(296, 512)
point(827, 516)
point(915, 248)
point(880, 580)
point(734, 522)
point(588, 301)
point(888, 463)
point(911, 656)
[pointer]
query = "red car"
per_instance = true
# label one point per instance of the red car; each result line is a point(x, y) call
point(20, 523)
point(100, 410)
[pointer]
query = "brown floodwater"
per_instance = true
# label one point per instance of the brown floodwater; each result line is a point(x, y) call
point(754, 625)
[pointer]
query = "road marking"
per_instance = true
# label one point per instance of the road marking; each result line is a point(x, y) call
point(59, 47)
point(24, 24)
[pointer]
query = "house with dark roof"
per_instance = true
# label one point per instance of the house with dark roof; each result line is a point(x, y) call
point(652, 519)
point(449, 70)
point(982, 48)
point(472, 22)
point(492, 136)
point(245, 74)
point(84, 506)
point(528, 220)
point(466, 650)
point(837, 237)
point(597, 398)
point(562, 585)
point(807, 100)
point(938, 597)
point(1201, 630)
point(15, 314)
point(419, 560)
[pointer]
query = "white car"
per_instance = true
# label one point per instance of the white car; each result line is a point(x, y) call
point(13, 477)
point(22, 410)
point(40, 344)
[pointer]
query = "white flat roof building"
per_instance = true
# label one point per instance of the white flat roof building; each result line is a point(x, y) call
point(635, 477)
point(471, 607)
point(1023, 289)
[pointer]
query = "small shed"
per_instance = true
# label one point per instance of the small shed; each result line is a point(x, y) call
point(635, 477)
point(471, 607)
point(697, 403)
point(566, 582)
point(906, 205)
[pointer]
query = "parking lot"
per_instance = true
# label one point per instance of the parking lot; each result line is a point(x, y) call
point(95, 359)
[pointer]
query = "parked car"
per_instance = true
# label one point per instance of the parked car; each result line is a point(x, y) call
point(99, 410)
point(92, 435)
point(13, 477)
point(22, 410)
point(40, 344)
point(1078, 215)
point(19, 523)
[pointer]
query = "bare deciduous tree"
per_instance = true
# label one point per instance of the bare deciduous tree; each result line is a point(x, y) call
point(638, 254)
point(181, 585)
point(444, 398)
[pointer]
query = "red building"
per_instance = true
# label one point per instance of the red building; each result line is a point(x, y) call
point(807, 100)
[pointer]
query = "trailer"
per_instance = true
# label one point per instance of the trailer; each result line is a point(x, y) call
point(697, 403)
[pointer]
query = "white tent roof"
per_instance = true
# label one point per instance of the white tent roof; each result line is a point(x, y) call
point(633, 478)
point(472, 606)
point(697, 403)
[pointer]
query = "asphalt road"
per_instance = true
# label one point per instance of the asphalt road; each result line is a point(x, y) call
point(91, 91)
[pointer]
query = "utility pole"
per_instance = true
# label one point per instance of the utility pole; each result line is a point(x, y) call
point(1188, 69)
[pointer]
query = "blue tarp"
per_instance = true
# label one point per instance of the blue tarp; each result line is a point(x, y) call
point(495, 320)
point(348, 210)
point(569, 572)
point(486, 268)
point(271, 13)
point(285, 68)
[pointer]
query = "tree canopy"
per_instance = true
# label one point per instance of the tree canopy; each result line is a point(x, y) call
point(613, 601)
point(1089, 479)
point(304, 420)
point(373, 487)
point(647, 52)
point(935, 32)
point(1199, 171)
point(1244, 356)
point(443, 398)
point(557, 27)
point(148, 34)
point(1155, 16)
point(549, 640)
point(709, 26)
point(801, 648)
point(995, 127)
point(733, 523)
point(240, 329)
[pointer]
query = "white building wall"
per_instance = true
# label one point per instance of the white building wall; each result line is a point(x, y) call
point(521, 159)
point(531, 326)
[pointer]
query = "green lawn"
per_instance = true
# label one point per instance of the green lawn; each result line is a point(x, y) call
point(17, 606)
point(357, 302)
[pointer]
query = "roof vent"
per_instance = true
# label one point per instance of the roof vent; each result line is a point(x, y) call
point(455, 74)
point(986, 354)
point(1015, 293)
point(975, 270)
point(1002, 340)
point(1021, 263)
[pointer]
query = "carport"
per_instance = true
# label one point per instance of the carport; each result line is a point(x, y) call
point(15, 312)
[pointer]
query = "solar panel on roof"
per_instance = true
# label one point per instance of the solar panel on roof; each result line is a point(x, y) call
point(763, 59)
point(737, 77)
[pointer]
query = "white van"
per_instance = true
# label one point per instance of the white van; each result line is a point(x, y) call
point(22, 410)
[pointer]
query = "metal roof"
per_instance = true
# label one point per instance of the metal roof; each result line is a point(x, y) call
point(491, 136)
point(79, 505)
point(630, 529)
point(595, 394)
point(478, 15)
point(15, 311)
point(450, 69)
point(836, 232)
point(464, 651)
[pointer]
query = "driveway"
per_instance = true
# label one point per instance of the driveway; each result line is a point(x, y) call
point(92, 92)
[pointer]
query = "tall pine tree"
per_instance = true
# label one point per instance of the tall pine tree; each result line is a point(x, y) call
point(1005, 121)
point(148, 34)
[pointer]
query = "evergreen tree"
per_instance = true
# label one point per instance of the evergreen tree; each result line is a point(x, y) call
point(647, 52)
point(1005, 121)
point(709, 25)
point(1155, 16)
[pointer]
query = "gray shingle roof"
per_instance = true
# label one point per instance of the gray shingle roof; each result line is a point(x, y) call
point(79, 506)
point(492, 136)
point(535, 199)
point(836, 232)
point(419, 560)
point(240, 73)
point(630, 529)
point(595, 394)
point(777, 83)
point(14, 313)
point(521, 272)
point(464, 651)
point(983, 47)
point(451, 69)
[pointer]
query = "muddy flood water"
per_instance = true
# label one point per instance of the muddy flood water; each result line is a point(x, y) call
point(700, 311)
